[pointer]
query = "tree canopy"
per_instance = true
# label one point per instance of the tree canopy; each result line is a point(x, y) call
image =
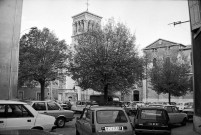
point(42, 58)
point(171, 78)
point(106, 60)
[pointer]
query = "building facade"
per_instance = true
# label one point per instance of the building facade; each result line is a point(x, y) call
point(161, 50)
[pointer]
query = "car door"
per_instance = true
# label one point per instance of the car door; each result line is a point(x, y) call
point(53, 109)
point(79, 123)
point(3, 119)
point(177, 115)
point(171, 114)
point(19, 117)
point(86, 125)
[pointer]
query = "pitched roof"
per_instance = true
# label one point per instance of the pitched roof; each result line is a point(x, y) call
point(160, 43)
point(86, 12)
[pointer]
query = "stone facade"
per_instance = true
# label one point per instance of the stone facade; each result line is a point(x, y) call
point(160, 50)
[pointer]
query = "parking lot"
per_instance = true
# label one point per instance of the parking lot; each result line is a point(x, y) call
point(69, 129)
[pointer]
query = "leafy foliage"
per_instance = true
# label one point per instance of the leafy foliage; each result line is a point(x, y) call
point(106, 59)
point(42, 58)
point(171, 78)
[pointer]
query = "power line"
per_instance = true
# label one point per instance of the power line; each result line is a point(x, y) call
point(178, 22)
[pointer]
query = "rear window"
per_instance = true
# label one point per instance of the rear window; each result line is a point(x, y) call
point(111, 116)
point(153, 114)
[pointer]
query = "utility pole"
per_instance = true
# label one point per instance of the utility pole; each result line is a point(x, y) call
point(178, 22)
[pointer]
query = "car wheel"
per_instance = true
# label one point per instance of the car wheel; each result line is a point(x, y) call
point(60, 122)
point(183, 123)
point(77, 133)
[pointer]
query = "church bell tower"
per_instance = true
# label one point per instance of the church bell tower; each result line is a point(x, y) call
point(84, 22)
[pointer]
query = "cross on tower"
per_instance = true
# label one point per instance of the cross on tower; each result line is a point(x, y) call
point(87, 5)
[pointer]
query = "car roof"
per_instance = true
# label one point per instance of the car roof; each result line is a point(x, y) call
point(97, 108)
point(156, 104)
point(11, 102)
point(151, 108)
point(169, 105)
point(41, 101)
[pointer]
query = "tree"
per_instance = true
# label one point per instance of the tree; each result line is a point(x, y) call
point(42, 58)
point(106, 60)
point(171, 78)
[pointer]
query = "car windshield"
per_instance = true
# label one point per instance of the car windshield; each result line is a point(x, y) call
point(111, 116)
point(153, 114)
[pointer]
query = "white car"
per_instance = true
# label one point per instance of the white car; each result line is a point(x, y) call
point(16, 115)
point(79, 106)
point(183, 105)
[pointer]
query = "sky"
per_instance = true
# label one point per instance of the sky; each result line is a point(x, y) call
point(149, 20)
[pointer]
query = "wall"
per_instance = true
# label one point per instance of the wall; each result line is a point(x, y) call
point(30, 93)
point(197, 83)
point(160, 52)
point(10, 23)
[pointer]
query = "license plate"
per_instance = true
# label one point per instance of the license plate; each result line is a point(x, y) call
point(113, 129)
point(153, 124)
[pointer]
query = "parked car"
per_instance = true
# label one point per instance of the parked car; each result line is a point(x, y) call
point(104, 120)
point(126, 103)
point(156, 105)
point(183, 105)
point(52, 108)
point(78, 106)
point(189, 110)
point(20, 115)
point(176, 117)
point(132, 107)
point(150, 120)
point(66, 105)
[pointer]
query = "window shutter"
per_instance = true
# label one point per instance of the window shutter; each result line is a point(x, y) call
point(194, 8)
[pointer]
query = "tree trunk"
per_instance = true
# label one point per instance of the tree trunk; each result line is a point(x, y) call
point(42, 84)
point(169, 97)
point(106, 93)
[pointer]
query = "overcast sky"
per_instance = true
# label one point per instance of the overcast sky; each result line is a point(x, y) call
point(148, 19)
